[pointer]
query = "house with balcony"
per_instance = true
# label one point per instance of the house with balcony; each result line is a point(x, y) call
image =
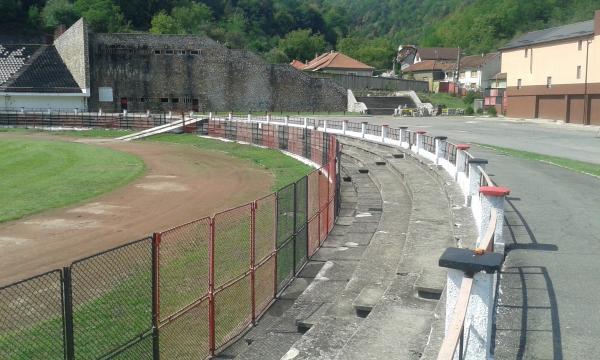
point(555, 73)
point(495, 94)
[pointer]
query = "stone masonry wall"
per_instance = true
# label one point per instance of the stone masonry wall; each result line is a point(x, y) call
point(177, 73)
point(72, 46)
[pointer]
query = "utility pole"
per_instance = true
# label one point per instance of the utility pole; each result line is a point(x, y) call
point(458, 71)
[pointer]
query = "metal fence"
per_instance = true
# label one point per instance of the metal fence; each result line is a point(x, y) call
point(188, 291)
point(72, 119)
point(428, 143)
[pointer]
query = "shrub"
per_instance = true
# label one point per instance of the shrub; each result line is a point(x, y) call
point(469, 111)
point(492, 111)
point(480, 111)
point(468, 99)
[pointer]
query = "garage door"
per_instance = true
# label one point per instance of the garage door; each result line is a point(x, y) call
point(551, 107)
point(576, 108)
point(595, 109)
point(521, 107)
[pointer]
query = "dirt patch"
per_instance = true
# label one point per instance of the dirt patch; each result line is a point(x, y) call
point(182, 183)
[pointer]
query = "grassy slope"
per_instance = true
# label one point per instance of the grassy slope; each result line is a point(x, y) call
point(93, 133)
point(574, 165)
point(187, 336)
point(41, 175)
point(285, 169)
point(453, 102)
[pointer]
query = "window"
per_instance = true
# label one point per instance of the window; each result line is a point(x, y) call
point(105, 94)
point(157, 52)
point(181, 52)
point(164, 100)
point(580, 45)
point(518, 83)
point(143, 99)
point(194, 52)
point(549, 82)
point(169, 52)
point(174, 100)
point(579, 71)
point(526, 52)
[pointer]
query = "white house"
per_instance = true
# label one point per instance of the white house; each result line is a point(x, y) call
point(46, 76)
point(476, 70)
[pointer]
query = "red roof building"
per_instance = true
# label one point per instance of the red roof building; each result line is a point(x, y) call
point(338, 63)
point(298, 64)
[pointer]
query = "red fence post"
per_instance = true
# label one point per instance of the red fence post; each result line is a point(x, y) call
point(211, 288)
point(253, 259)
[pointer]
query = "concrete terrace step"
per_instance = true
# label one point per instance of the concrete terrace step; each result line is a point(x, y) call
point(397, 216)
point(305, 301)
point(430, 230)
point(375, 270)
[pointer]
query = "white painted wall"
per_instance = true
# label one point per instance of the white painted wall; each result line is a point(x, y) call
point(50, 101)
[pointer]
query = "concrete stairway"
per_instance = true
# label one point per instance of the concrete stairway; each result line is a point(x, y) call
point(375, 282)
point(385, 105)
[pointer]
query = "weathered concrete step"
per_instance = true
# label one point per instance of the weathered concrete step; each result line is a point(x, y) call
point(396, 328)
point(367, 299)
point(304, 323)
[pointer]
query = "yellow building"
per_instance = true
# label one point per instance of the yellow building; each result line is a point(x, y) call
point(555, 73)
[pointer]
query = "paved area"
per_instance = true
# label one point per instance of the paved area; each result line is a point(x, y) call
point(571, 141)
point(548, 306)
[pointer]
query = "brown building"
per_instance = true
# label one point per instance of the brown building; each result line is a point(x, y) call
point(555, 73)
point(430, 71)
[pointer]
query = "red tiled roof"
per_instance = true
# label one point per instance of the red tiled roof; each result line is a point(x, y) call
point(431, 65)
point(335, 60)
point(298, 64)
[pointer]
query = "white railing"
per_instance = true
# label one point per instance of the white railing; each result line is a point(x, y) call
point(470, 297)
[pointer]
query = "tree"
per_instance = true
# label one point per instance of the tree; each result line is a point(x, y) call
point(378, 52)
point(102, 15)
point(163, 23)
point(276, 56)
point(302, 44)
point(193, 18)
point(58, 12)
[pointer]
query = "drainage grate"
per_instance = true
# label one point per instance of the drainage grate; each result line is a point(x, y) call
point(379, 162)
point(398, 156)
point(347, 178)
point(363, 171)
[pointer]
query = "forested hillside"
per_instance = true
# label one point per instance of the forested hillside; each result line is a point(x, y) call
point(281, 30)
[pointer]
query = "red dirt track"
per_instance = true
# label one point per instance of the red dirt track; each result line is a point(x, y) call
point(181, 183)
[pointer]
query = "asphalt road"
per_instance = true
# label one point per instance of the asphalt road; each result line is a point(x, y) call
point(549, 303)
point(549, 138)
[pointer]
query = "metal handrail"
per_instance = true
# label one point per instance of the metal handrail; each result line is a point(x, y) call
point(456, 328)
point(485, 176)
point(455, 332)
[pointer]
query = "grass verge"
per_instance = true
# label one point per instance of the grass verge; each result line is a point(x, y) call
point(42, 175)
point(91, 133)
point(285, 169)
point(574, 165)
point(452, 102)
